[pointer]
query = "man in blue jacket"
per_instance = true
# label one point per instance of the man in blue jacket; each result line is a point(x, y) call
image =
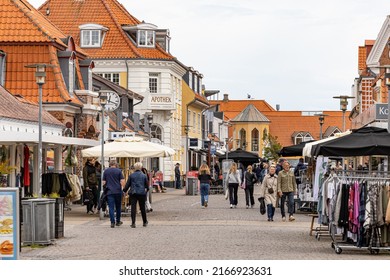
point(137, 185)
point(114, 181)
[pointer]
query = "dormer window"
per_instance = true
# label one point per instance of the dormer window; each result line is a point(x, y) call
point(146, 38)
point(143, 34)
point(92, 35)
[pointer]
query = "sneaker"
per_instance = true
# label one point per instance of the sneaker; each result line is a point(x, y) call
point(231, 206)
point(247, 207)
point(202, 207)
point(235, 206)
point(205, 203)
point(112, 225)
point(145, 224)
point(132, 226)
point(91, 212)
point(269, 220)
point(291, 218)
point(119, 223)
point(272, 220)
point(283, 219)
point(252, 205)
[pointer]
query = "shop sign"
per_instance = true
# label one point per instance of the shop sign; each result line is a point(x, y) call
point(119, 135)
point(161, 101)
point(381, 111)
point(193, 142)
point(213, 149)
point(9, 224)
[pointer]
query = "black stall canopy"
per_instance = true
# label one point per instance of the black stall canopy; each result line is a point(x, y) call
point(364, 141)
point(243, 156)
point(294, 150)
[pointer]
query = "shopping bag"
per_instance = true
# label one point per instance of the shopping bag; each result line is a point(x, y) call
point(227, 193)
point(262, 205)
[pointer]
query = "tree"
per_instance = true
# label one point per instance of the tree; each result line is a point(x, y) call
point(271, 147)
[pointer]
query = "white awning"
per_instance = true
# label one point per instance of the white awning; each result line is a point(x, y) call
point(13, 137)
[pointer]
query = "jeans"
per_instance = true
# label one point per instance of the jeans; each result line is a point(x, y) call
point(204, 193)
point(290, 205)
point(141, 198)
point(115, 204)
point(233, 189)
point(178, 183)
point(270, 211)
point(249, 195)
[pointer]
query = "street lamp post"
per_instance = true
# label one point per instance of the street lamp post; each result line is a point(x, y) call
point(150, 122)
point(321, 118)
point(40, 79)
point(343, 105)
point(186, 130)
point(103, 102)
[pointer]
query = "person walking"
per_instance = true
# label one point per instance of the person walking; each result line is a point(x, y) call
point(264, 171)
point(233, 181)
point(250, 180)
point(177, 176)
point(204, 178)
point(137, 185)
point(287, 187)
point(268, 191)
point(279, 166)
point(114, 181)
point(90, 185)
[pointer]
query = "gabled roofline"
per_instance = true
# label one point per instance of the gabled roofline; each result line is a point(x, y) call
point(379, 46)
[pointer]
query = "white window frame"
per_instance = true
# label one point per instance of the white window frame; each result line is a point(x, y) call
point(154, 79)
point(93, 31)
point(112, 77)
point(88, 42)
point(149, 38)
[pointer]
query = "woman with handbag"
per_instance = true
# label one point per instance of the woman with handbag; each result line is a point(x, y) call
point(233, 180)
point(268, 191)
point(250, 180)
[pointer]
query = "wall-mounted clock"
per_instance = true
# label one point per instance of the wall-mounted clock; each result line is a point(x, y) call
point(113, 101)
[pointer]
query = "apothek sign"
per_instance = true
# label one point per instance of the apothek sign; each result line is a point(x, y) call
point(381, 111)
point(161, 101)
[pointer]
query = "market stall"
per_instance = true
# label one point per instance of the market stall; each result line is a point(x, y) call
point(356, 204)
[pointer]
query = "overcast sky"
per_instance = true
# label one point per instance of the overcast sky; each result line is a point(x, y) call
point(298, 54)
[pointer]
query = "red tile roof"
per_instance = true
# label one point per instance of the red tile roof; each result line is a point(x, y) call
point(27, 37)
point(284, 123)
point(69, 15)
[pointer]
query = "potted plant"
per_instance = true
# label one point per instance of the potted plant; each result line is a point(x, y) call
point(5, 169)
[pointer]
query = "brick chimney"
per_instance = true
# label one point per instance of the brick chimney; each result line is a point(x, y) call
point(225, 97)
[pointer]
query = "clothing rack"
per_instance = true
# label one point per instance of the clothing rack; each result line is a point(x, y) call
point(373, 231)
point(59, 171)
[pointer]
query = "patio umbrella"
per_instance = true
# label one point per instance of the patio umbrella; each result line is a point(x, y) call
point(294, 150)
point(365, 141)
point(134, 147)
point(307, 150)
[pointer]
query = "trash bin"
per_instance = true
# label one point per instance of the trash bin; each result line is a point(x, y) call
point(192, 183)
point(38, 221)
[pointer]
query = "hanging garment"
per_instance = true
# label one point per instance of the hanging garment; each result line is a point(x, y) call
point(26, 167)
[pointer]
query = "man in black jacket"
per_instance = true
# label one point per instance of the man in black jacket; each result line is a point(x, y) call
point(177, 176)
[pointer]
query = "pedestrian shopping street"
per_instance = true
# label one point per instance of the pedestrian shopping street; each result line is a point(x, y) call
point(180, 229)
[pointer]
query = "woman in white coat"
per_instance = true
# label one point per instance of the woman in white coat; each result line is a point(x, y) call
point(268, 191)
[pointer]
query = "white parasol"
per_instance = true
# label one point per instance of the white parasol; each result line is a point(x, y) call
point(134, 147)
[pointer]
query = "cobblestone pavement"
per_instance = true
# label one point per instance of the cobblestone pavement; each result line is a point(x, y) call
point(180, 229)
